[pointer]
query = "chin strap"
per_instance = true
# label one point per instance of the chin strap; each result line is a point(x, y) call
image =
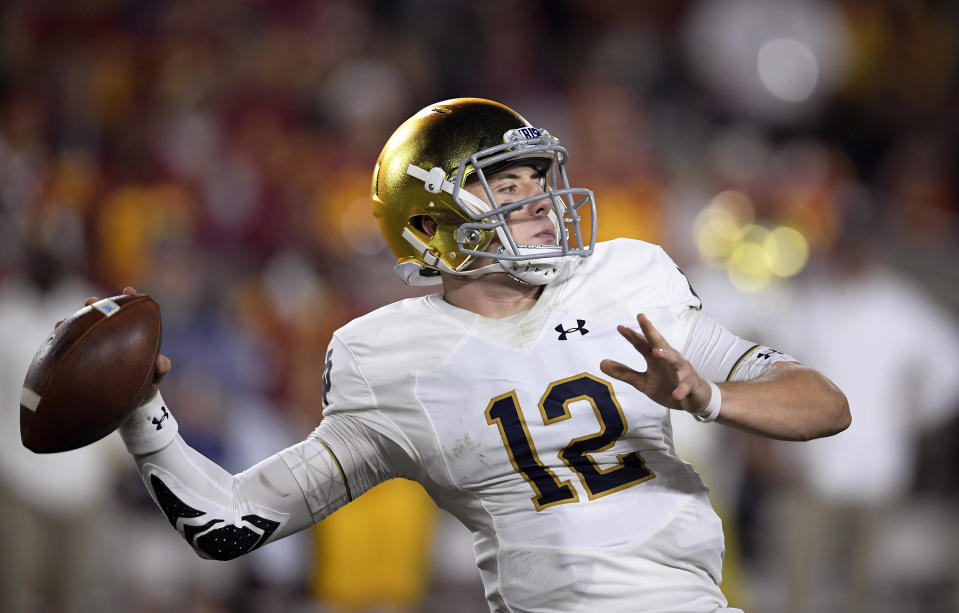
point(535, 271)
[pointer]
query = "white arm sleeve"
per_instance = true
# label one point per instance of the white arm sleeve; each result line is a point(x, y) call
point(223, 516)
point(719, 355)
point(354, 458)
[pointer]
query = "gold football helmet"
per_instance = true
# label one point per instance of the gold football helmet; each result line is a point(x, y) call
point(423, 169)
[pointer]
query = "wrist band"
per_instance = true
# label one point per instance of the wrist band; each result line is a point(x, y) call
point(150, 427)
point(711, 412)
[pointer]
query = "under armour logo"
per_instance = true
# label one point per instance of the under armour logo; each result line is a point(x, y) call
point(159, 422)
point(579, 328)
point(767, 354)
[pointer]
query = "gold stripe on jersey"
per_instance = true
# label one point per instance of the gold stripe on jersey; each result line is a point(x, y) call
point(739, 362)
point(339, 467)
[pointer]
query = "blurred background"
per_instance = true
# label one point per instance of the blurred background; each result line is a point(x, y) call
point(797, 159)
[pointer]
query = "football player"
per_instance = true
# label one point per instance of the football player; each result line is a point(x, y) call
point(531, 395)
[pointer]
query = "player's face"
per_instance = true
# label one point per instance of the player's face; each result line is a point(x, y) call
point(529, 225)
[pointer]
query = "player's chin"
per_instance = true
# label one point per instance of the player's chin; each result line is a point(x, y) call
point(542, 240)
point(534, 240)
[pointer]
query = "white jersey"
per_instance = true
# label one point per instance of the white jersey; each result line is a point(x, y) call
point(568, 479)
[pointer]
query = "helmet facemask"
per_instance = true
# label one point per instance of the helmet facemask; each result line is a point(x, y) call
point(530, 264)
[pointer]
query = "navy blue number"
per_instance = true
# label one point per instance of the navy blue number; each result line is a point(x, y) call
point(505, 412)
point(630, 468)
point(549, 490)
point(327, 383)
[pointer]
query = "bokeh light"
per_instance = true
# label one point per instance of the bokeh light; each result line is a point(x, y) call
point(728, 237)
point(788, 69)
point(789, 250)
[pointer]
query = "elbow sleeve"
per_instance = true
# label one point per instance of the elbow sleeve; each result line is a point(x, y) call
point(220, 515)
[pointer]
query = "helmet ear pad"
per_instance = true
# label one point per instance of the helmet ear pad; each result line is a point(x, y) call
point(437, 233)
point(425, 224)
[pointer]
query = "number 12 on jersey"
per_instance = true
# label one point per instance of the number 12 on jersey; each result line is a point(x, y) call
point(504, 411)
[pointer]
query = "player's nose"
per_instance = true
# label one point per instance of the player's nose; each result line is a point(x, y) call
point(540, 206)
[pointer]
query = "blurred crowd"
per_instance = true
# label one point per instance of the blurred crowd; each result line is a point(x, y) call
point(218, 155)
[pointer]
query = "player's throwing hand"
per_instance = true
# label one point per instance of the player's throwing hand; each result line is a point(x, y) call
point(163, 363)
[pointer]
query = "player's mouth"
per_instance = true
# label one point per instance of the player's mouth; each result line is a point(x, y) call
point(547, 236)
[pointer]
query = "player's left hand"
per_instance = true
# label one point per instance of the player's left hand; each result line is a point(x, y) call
point(669, 378)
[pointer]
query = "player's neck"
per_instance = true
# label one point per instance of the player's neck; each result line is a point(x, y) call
point(494, 295)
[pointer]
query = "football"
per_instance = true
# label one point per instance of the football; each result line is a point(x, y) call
point(90, 373)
